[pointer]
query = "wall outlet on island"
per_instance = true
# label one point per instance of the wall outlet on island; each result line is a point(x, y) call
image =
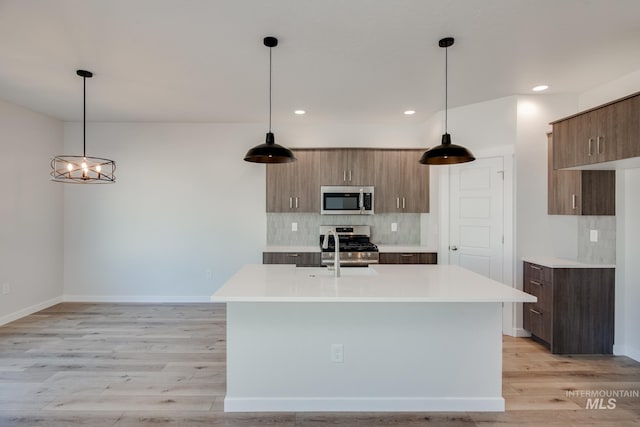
point(6, 288)
point(337, 353)
point(208, 274)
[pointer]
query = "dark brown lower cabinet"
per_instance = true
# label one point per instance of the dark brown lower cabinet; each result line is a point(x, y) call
point(408, 258)
point(300, 259)
point(575, 309)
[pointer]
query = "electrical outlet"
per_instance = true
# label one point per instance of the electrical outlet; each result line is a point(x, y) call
point(337, 353)
point(294, 226)
point(209, 274)
point(593, 235)
point(394, 226)
point(6, 288)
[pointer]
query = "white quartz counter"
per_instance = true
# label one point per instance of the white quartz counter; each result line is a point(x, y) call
point(379, 283)
point(381, 248)
point(553, 262)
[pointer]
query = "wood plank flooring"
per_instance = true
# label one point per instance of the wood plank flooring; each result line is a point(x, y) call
point(164, 365)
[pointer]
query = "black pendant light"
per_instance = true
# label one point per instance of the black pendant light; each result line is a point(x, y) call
point(446, 153)
point(270, 152)
point(83, 169)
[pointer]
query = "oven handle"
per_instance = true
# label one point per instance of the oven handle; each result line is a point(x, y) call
point(361, 200)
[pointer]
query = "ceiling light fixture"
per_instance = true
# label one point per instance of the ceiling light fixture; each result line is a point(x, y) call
point(300, 112)
point(409, 112)
point(83, 169)
point(270, 152)
point(540, 88)
point(446, 153)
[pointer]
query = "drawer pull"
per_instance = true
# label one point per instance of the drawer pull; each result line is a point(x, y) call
point(294, 255)
point(533, 282)
point(406, 255)
point(535, 311)
point(535, 267)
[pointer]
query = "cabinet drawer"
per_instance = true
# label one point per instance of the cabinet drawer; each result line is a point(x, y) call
point(540, 289)
point(300, 259)
point(409, 258)
point(538, 322)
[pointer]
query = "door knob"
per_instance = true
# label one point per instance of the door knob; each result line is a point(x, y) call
point(453, 248)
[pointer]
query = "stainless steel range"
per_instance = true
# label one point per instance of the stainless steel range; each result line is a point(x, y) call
point(355, 247)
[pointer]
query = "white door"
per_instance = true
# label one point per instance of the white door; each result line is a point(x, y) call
point(476, 235)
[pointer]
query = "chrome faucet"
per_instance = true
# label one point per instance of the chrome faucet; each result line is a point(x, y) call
point(336, 257)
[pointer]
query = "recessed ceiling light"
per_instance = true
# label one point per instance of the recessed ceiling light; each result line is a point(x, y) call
point(540, 88)
point(299, 112)
point(409, 112)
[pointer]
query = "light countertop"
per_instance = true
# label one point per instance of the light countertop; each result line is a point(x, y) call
point(379, 283)
point(381, 248)
point(553, 262)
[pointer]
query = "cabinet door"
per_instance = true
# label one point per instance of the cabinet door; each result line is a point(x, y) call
point(360, 167)
point(294, 187)
point(563, 187)
point(281, 186)
point(415, 176)
point(627, 118)
point(565, 150)
point(388, 180)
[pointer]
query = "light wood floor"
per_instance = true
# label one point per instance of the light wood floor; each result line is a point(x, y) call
point(164, 365)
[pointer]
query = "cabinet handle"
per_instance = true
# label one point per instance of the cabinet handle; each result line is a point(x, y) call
point(590, 142)
point(296, 203)
point(290, 202)
point(600, 138)
point(397, 202)
point(349, 175)
point(294, 255)
point(573, 201)
point(406, 255)
point(533, 282)
point(535, 267)
point(344, 175)
point(403, 204)
point(535, 312)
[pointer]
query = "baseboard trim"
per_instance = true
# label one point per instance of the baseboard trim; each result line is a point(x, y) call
point(520, 333)
point(423, 404)
point(136, 298)
point(29, 310)
point(623, 350)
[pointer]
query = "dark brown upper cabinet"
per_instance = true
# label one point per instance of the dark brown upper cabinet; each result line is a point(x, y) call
point(602, 134)
point(579, 192)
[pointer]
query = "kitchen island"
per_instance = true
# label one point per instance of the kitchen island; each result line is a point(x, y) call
point(383, 338)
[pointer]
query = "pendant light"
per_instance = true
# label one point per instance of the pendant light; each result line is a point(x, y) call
point(270, 152)
point(446, 153)
point(83, 169)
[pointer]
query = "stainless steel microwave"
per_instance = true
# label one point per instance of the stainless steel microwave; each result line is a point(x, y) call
point(346, 200)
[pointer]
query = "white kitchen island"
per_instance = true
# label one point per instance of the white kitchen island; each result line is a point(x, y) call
point(383, 338)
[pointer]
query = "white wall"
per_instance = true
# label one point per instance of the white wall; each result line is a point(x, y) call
point(31, 210)
point(184, 203)
point(627, 337)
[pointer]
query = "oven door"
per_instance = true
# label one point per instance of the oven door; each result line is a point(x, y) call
point(338, 200)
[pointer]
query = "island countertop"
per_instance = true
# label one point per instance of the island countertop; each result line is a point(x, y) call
point(380, 283)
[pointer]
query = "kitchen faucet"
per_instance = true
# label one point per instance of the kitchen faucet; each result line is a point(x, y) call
point(325, 245)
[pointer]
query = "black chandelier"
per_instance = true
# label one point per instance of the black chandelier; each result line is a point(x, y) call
point(270, 152)
point(83, 169)
point(446, 153)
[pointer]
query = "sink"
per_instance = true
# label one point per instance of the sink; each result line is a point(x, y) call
point(344, 271)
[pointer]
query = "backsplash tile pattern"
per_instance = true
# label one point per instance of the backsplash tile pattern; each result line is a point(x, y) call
point(279, 228)
point(604, 250)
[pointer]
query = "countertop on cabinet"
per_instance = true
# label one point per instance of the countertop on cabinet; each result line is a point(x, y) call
point(553, 262)
point(380, 283)
point(315, 248)
point(405, 249)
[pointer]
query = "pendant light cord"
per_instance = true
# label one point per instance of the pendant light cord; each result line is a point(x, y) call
point(446, 86)
point(270, 89)
point(84, 116)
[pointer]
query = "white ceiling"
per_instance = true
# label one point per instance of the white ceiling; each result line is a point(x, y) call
point(341, 60)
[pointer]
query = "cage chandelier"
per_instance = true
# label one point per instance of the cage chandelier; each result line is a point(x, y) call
point(83, 169)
